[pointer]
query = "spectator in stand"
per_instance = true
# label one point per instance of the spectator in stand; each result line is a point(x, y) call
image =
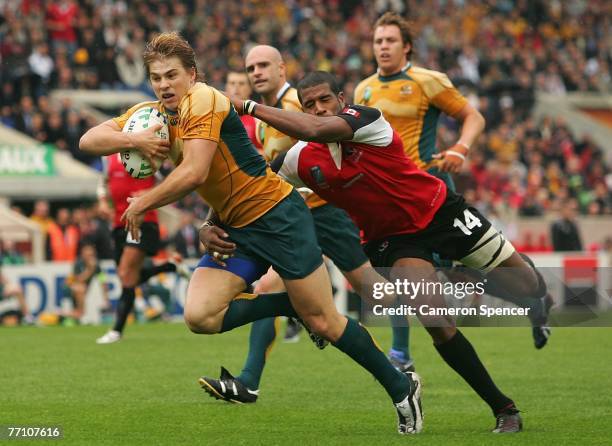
point(38, 130)
point(41, 216)
point(530, 207)
point(41, 65)
point(186, 240)
point(130, 67)
point(73, 131)
point(61, 23)
point(109, 77)
point(9, 255)
point(95, 229)
point(55, 131)
point(63, 239)
point(13, 306)
point(603, 198)
point(85, 269)
point(565, 234)
point(193, 203)
point(26, 112)
point(6, 116)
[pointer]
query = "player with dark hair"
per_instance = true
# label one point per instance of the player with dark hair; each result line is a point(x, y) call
point(356, 161)
point(262, 213)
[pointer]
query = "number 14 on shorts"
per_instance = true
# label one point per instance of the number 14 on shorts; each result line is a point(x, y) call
point(471, 222)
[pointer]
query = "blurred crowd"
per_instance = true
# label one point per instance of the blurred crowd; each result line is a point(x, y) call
point(83, 237)
point(67, 230)
point(498, 52)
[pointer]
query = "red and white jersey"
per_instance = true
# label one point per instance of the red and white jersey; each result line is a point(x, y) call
point(121, 186)
point(369, 176)
point(250, 124)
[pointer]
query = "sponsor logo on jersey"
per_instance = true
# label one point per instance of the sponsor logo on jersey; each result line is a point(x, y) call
point(367, 95)
point(318, 177)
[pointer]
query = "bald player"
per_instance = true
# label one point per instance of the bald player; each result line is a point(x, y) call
point(265, 70)
point(336, 233)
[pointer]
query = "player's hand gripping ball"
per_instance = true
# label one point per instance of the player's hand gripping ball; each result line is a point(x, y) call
point(133, 160)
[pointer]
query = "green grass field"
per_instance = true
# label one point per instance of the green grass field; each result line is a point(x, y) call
point(144, 390)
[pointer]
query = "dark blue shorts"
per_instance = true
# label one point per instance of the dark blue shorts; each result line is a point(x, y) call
point(283, 238)
point(248, 269)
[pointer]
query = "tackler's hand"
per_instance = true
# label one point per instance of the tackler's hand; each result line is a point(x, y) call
point(215, 240)
point(133, 218)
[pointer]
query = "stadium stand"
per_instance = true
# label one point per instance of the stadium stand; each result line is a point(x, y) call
point(518, 62)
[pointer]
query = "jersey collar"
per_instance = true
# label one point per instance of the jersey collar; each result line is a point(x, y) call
point(401, 74)
point(282, 92)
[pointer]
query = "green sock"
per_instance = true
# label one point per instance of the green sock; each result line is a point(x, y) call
point(263, 333)
point(359, 345)
point(247, 308)
point(401, 336)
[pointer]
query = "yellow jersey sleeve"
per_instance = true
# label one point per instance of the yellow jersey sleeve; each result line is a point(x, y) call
point(440, 91)
point(358, 94)
point(122, 119)
point(201, 113)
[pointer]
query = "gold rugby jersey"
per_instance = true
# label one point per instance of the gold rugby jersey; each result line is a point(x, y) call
point(275, 142)
point(240, 187)
point(411, 101)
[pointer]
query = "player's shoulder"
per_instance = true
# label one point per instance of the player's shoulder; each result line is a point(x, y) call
point(202, 99)
point(363, 112)
point(368, 81)
point(290, 100)
point(430, 80)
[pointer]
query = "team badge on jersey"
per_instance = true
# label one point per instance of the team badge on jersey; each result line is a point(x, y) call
point(367, 95)
point(261, 127)
point(406, 90)
point(351, 111)
point(172, 119)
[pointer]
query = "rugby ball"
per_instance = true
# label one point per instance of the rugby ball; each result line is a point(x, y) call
point(135, 164)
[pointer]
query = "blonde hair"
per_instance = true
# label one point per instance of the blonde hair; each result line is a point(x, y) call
point(168, 45)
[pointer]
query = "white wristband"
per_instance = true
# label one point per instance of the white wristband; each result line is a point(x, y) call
point(457, 154)
point(461, 143)
point(207, 223)
point(249, 107)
